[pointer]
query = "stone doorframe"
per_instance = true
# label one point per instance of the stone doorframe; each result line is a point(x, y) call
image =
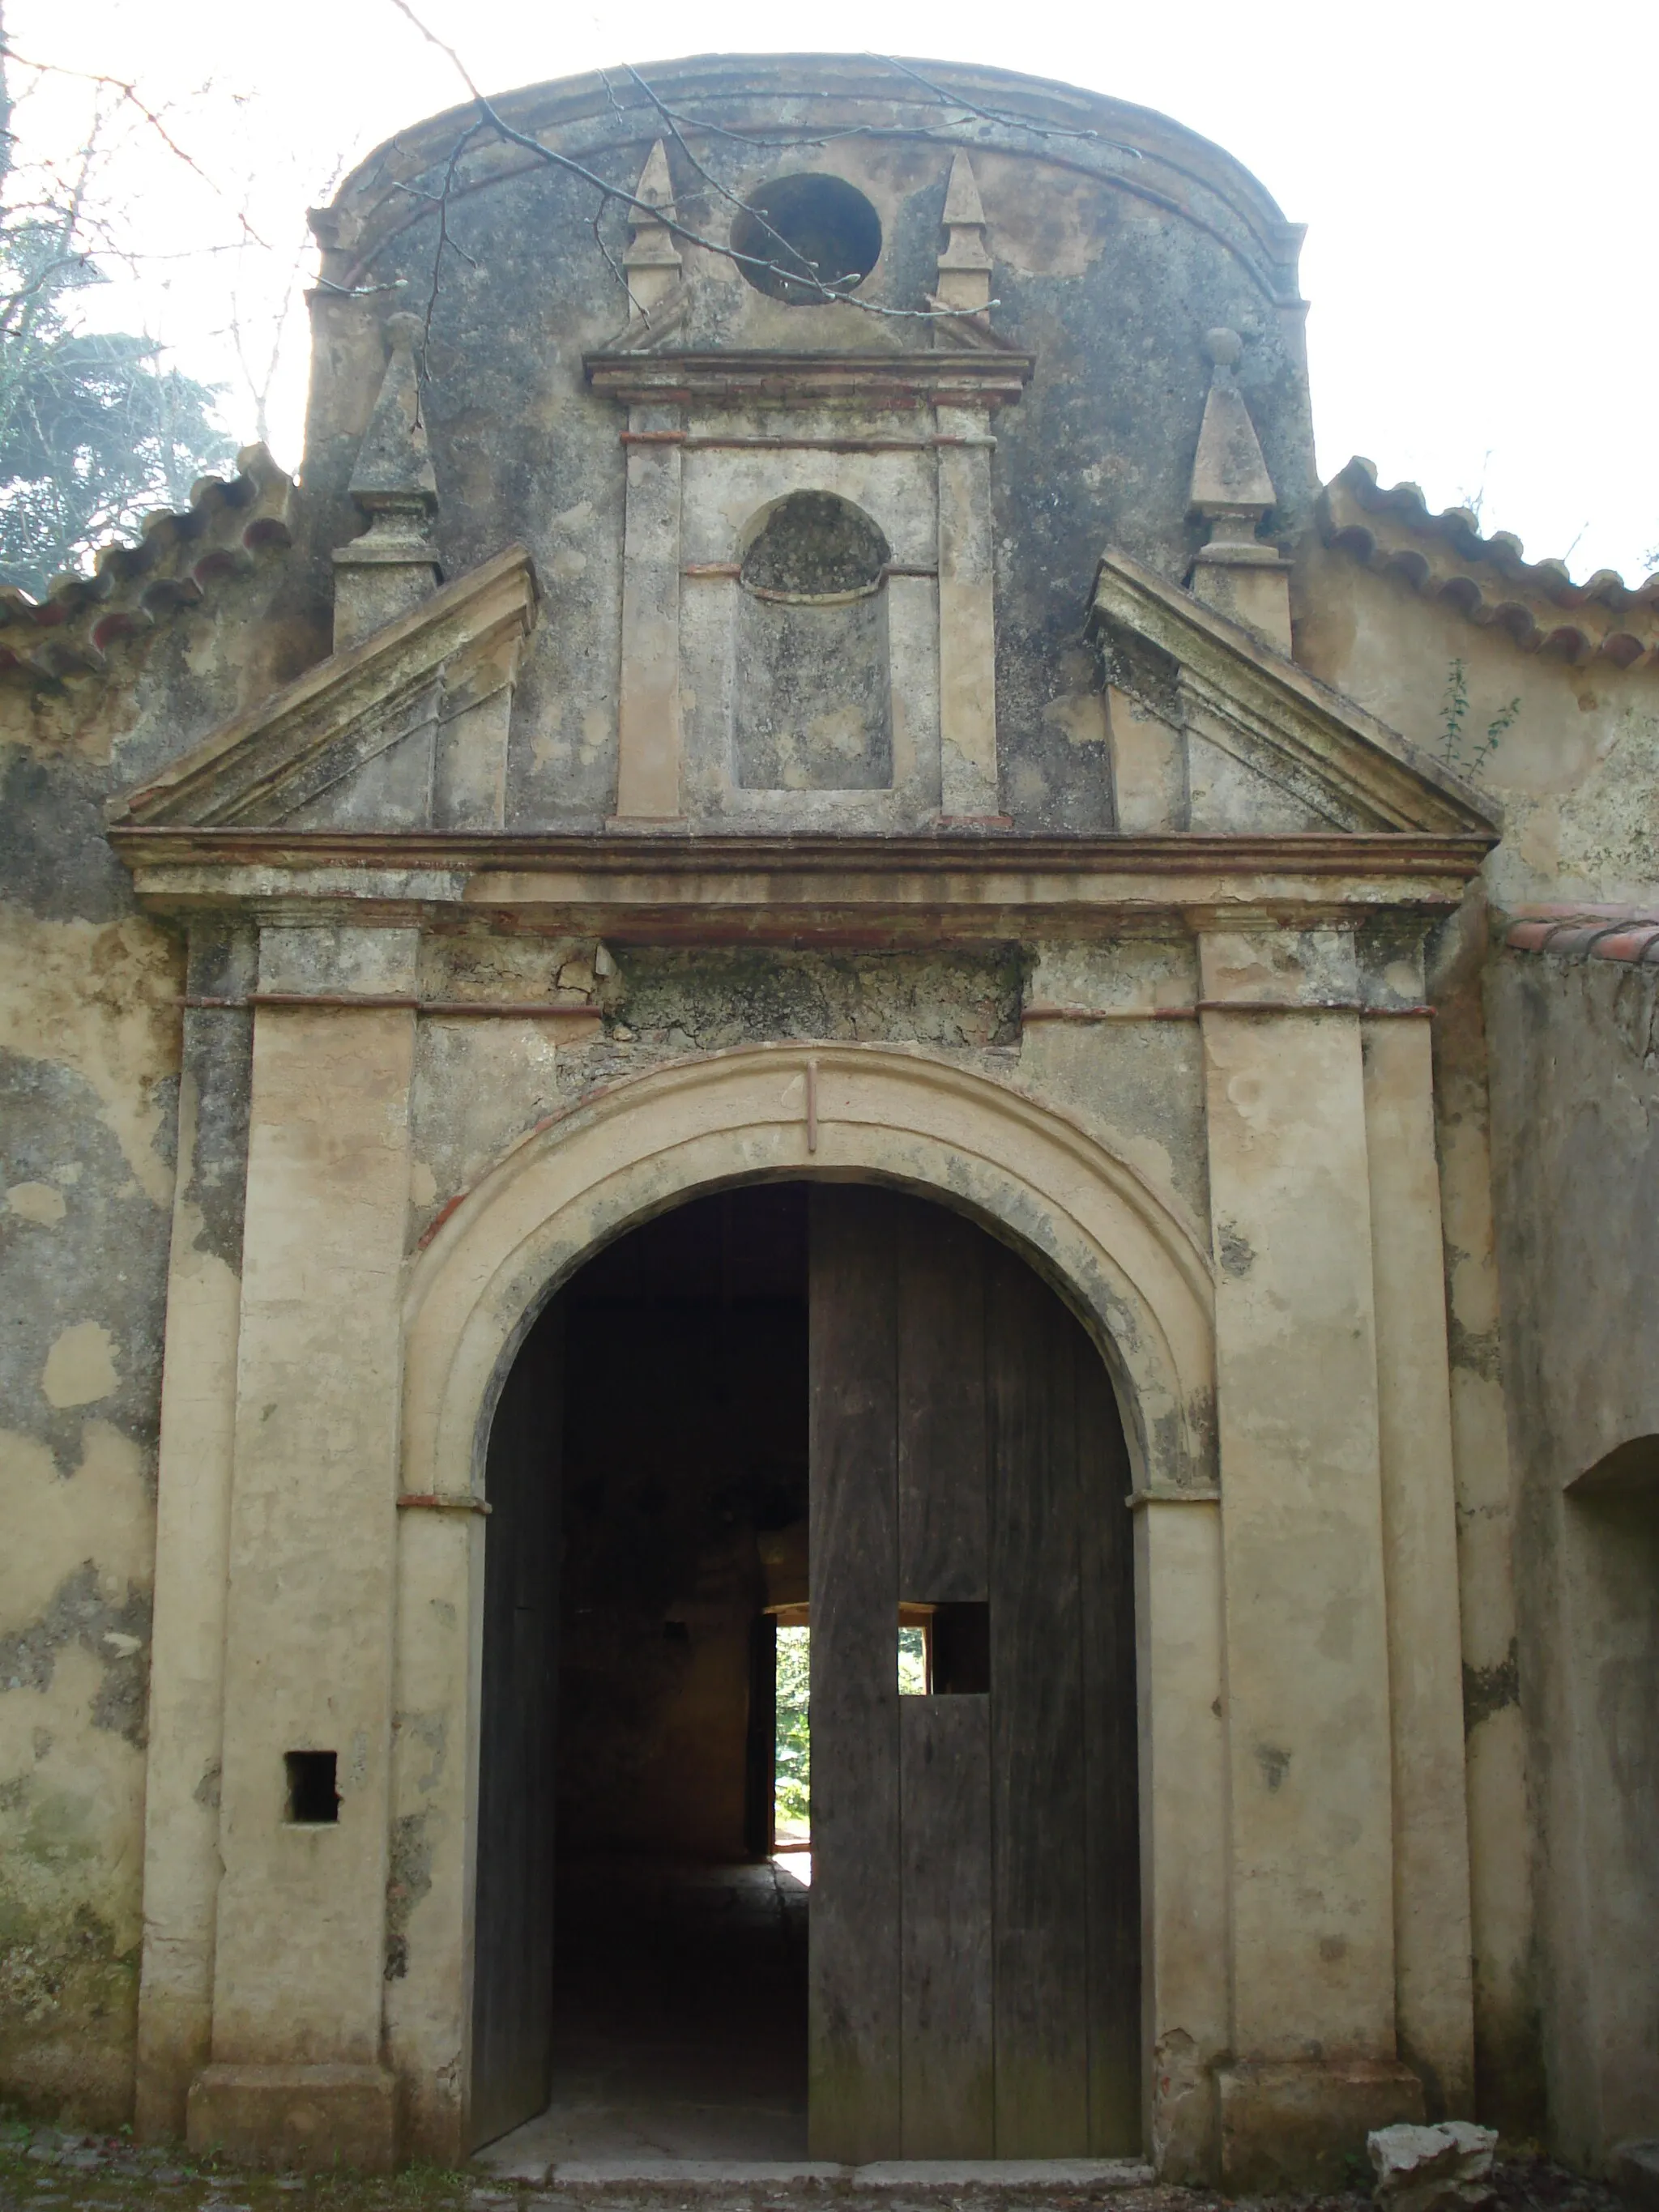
point(1135, 1273)
point(320, 1540)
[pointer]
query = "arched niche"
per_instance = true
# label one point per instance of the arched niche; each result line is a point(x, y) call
point(813, 680)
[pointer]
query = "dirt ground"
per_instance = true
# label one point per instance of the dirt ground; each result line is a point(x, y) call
point(46, 2169)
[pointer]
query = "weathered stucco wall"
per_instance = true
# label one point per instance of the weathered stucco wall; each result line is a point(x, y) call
point(1575, 1087)
point(89, 1131)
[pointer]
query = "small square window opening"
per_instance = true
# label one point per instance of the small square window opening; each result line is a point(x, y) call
point(313, 1799)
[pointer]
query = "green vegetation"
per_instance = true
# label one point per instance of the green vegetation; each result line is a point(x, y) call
point(1455, 747)
point(793, 1762)
point(93, 432)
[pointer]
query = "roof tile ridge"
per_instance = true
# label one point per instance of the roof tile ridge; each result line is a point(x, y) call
point(230, 520)
point(1628, 934)
point(1460, 526)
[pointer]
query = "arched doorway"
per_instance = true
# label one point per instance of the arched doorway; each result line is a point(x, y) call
point(841, 1383)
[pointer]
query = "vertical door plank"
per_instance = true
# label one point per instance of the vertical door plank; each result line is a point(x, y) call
point(948, 2086)
point(1037, 1758)
point(941, 1467)
point(1112, 1757)
point(512, 1921)
point(949, 2100)
point(853, 2019)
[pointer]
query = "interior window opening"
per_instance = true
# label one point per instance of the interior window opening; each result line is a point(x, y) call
point(915, 1650)
point(806, 239)
point(792, 1769)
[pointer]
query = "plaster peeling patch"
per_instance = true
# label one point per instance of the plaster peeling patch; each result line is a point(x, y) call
point(1080, 717)
point(1056, 230)
point(36, 1201)
point(99, 1001)
point(567, 564)
point(80, 1368)
point(1234, 1251)
point(409, 1877)
point(116, 1635)
point(52, 1520)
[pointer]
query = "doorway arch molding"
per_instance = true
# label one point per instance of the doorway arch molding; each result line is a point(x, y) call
point(1132, 1267)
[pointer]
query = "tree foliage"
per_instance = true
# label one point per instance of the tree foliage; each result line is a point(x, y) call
point(793, 1756)
point(94, 431)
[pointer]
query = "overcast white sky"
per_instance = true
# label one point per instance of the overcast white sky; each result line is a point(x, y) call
point(1479, 183)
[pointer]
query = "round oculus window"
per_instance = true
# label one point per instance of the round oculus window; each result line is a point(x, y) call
point(806, 239)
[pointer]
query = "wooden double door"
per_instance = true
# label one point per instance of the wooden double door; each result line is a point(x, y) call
point(973, 1978)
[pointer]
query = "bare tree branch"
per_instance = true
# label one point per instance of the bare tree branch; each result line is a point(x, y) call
point(798, 276)
point(130, 96)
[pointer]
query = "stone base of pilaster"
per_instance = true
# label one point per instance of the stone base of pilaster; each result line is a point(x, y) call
point(1298, 2125)
point(296, 2117)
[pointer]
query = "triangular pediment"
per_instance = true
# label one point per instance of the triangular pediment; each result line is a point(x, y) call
point(1271, 747)
point(353, 738)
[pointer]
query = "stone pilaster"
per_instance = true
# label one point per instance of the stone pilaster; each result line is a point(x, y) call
point(1184, 1783)
point(648, 768)
point(192, 1524)
point(1314, 2060)
point(1432, 1941)
point(302, 1919)
point(967, 619)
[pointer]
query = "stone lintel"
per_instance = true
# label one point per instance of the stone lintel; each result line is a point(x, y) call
point(308, 2117)
point(826, 889)
point(942, 377)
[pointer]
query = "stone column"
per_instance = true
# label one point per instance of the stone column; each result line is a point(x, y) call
point(967, 619)
point(301, 1922)
point(1313, 2061)
point(648, 728)
point(1432, 1977)
point(192, 1523)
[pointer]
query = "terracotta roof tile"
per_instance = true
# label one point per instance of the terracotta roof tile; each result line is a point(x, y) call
point(1444, 556)
point(132, 588)
point(1586, 932)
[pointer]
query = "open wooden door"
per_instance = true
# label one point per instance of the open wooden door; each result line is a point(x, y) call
point(513, 1924)
point(974, 1973)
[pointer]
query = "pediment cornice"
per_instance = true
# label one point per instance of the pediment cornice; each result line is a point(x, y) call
point(1221, 682)
point(327, 724)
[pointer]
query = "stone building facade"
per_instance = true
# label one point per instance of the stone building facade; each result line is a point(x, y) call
point(809, 650)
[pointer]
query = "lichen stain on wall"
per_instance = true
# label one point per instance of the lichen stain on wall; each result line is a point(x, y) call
point(73, 1666)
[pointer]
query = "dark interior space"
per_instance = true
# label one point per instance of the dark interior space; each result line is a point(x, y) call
point(656, 1819)
point(679, 1958)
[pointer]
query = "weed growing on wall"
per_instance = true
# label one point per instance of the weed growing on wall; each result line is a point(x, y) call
point(1458, 749)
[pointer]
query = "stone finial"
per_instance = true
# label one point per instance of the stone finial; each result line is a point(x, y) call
point(1229, 478)
point(394, 467)
point(964, 266)
point(1234, 573)
point(394, 565)
point(653, 263)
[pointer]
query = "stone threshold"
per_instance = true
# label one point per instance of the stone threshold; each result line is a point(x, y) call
point(901, 2176)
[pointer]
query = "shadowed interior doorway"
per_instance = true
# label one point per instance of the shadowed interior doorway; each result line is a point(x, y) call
point(782, 1416)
